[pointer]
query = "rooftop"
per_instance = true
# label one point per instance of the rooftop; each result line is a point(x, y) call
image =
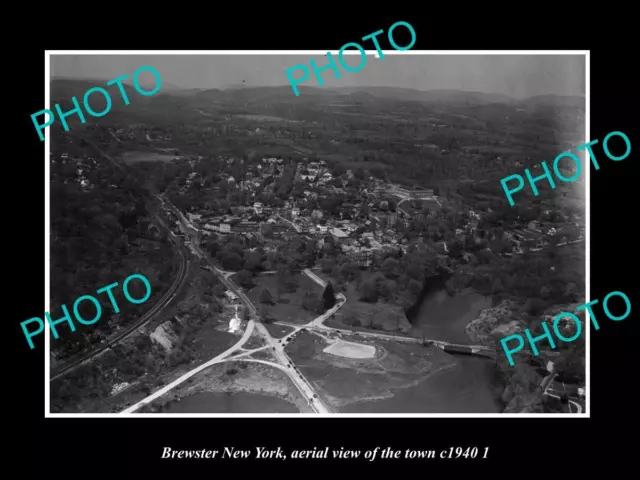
point(339, 233)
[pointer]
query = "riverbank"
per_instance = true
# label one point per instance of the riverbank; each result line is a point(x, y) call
point(233, 387)
point(456, 388)
point(492, 322)
point(475, 385)
point(342, 381)
point(445, 317)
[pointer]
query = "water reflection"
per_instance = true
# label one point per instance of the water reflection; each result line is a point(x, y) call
point(471, 386)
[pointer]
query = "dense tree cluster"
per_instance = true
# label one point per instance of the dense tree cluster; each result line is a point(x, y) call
point(100, 234)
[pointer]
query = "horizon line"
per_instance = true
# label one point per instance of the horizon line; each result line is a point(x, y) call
point(240, 87)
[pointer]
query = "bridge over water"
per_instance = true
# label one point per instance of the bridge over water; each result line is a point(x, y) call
point(481, 350)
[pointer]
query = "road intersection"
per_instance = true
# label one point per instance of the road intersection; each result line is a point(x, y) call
point(284, 363)
point(277, 346)
point(254, 326)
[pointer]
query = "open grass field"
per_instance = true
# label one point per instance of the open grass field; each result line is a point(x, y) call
point(341, 380)
point(278, 331)
point(255, 341)
point(287, 306)
point(266, 354)
point(263, 118)
point(140, 156)
point(349, 162)
point(212, 340)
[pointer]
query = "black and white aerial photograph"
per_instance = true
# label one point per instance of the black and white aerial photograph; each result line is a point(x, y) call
point(346, 251)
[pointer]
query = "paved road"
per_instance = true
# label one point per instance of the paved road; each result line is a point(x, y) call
point(191, 373)
point(398, 207)
point(296, 377)
point(277, 346)
point(295, 227)
point(300, 381)
point(319, 323)
point(546, 385)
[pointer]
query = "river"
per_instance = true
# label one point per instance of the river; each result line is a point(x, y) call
point(469, 387)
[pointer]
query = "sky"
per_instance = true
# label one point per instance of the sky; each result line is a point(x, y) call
point(518, 76)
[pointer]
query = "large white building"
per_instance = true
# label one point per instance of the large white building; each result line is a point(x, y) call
point(235, 322)
point(412, 193)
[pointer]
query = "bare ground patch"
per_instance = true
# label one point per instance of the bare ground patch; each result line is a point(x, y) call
point(350, 350)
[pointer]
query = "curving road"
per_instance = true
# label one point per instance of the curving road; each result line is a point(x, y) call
point(191, 373)
point(293, 225)
point(277, 348)
point(546, 385)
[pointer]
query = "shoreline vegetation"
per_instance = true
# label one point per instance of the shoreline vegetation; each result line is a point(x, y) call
point(233, 377)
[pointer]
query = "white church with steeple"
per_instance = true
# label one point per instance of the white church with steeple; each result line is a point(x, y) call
point(234, 323)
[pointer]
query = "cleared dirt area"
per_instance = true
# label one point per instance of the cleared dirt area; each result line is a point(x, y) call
point(341, 380)
point(351, 350)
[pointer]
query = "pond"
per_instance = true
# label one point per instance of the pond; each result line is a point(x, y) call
point(465, 388)
point(225, 402)
point(444, 317)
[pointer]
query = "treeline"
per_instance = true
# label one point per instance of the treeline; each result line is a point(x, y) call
point(393, 277)
point(139, 362)
point(232, 253)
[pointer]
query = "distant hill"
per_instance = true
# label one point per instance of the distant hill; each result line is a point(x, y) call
point(65, 82)
point(65, 88)
point(365, 95)
point(150, 85)
point(181, 92)
point(429, 96)
point(556, 100)
point(62, 90)
point(461, 97)
point(263, 94)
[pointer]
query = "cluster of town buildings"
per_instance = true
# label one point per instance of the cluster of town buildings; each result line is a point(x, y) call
point(537, 235)
point(359, 236)
point(405, 192)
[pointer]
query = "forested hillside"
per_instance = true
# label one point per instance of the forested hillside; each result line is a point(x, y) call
point(100, 233)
